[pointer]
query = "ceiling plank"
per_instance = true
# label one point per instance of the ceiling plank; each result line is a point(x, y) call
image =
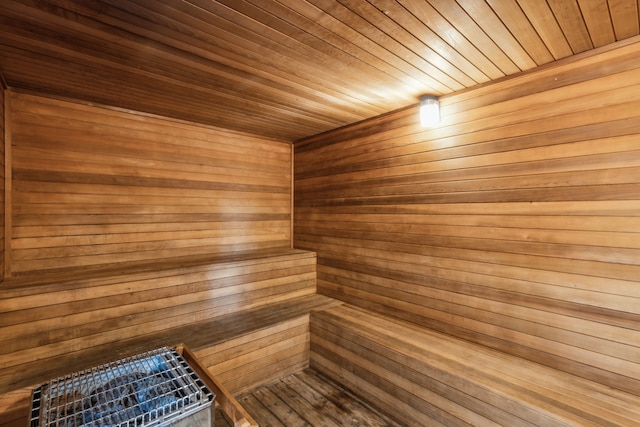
point(218, 33)
point(430, 17)
point(283, 27)
point(624, 15)
point(369, 31)
point(569, 16)
point(385, 29)
point(37, 39)
point(344, 36)
point(543, 20)
point(516, 21)
point(598, 21)
point(288, 69)
point(464, 69)
point(495, 28)
point(470, 29)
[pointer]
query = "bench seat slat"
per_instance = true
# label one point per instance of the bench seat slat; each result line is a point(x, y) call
point(544, 381)
point(530, 391)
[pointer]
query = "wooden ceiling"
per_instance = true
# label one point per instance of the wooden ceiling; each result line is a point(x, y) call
point(288, 69)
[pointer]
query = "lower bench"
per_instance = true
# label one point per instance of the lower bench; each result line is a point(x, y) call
point(422, 377)
point(241, 350)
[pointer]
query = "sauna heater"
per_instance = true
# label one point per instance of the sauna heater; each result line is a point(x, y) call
point(156, 388)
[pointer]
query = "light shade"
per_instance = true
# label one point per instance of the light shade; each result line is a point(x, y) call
point(429, 111)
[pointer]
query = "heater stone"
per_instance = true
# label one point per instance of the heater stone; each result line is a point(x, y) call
point(157, 388)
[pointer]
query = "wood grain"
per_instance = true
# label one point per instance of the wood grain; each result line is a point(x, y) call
point(514, 224)
point(92, 187)
point(427, 378)
point(58, 322)
point(306, 398)
point(5, 170)
point(261, 67)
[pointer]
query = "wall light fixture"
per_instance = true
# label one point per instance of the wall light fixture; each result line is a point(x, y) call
point(429, 111)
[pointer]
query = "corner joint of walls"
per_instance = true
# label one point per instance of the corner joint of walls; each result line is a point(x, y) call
point(3, 81)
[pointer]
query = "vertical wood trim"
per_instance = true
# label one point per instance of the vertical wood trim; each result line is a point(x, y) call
point(292, 189)
point(3, 81)
point(7, 185)
point(3, 95)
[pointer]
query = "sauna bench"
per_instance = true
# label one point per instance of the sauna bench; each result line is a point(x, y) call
point(63, 278)
point(245, 317)
point(424, 377)
point(244, 336)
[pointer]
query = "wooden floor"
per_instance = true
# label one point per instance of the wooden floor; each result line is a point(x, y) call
point(308, 399)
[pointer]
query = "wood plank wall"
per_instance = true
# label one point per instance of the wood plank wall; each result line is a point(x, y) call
point(126, 230)
point(514, 224)
point(93, 187)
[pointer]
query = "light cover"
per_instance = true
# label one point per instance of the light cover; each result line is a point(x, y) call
point(429, 111)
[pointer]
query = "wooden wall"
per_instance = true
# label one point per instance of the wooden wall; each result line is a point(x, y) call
point(514, 224)
point(125, 230)
point(93, 187)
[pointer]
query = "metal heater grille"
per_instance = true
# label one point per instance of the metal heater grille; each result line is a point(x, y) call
point(149, 389)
